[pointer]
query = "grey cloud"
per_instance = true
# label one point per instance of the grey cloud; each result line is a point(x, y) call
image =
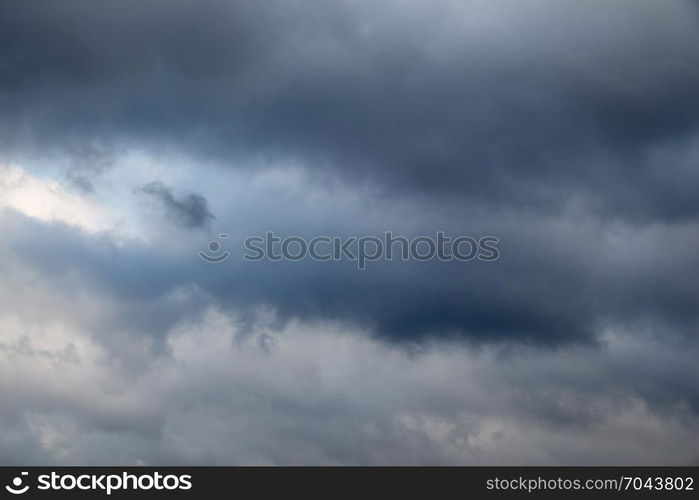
point(321, 394)
point(191, 210)
point(89, 162)
point(556, 281)
point(490, 106)
point(571, 132)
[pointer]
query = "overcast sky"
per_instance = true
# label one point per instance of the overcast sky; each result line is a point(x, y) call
point(134, 132)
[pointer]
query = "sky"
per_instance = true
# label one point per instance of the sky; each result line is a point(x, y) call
point(134, 133)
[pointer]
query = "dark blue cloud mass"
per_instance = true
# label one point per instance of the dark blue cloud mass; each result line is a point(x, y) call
point(133, 133)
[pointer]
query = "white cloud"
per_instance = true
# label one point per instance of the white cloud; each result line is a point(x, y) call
point(47, 200)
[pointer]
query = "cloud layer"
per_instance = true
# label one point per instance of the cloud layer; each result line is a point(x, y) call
point(321, 394)
point(134, 133)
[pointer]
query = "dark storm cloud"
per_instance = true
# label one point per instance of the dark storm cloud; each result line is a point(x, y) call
point(464, 104)
point(452, 99)
point(190, 210)
point(552, 284)
point(569, 130)
point(527, 300)
point(317, 394)
point(642, 377)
